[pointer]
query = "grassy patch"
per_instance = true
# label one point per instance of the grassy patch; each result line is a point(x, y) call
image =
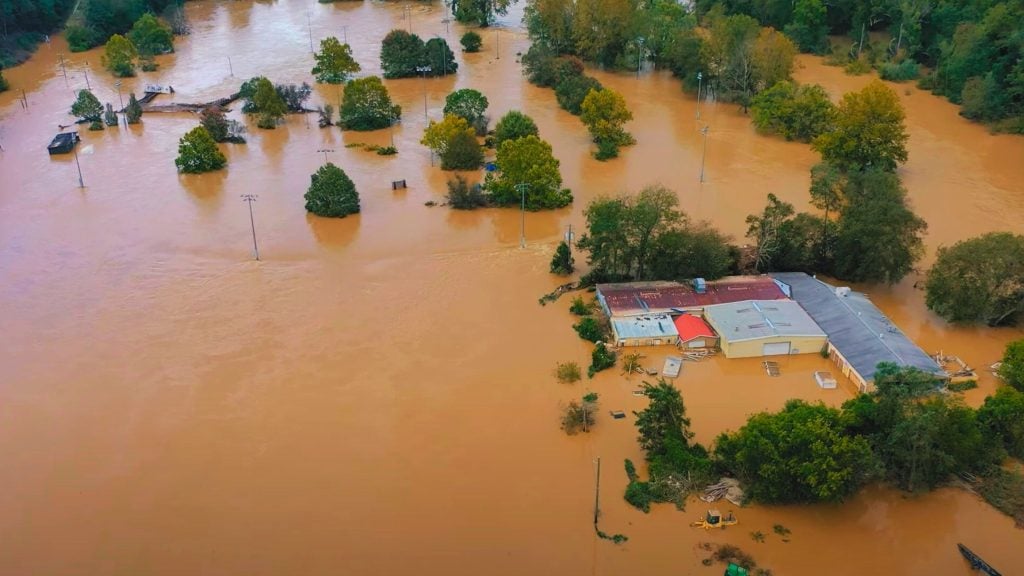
point(568, 372)
point(1004, 489)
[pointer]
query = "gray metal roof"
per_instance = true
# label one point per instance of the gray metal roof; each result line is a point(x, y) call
point(756, 319)
point(651, 326)
point(855, 326)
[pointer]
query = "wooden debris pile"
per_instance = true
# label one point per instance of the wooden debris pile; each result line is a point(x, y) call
point(728, 488)
point(954, 366)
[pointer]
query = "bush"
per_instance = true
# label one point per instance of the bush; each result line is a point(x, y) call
point(858, 66)
point(1012, 368)
point(197, 152)
point(580, 415)
point(367, 105)
point(331, 193)
point(567, 372)
point(579, 307)
point(589, 329)
point(514, 125)
point(600, 359)
point(471, 42)
point(400, 54)
point(794, 112)
point(387, 151)
point(462, 196)
point(902, 72)
point(462, 153)
point(562, 261)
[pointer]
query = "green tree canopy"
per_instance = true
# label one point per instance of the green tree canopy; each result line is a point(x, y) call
point(466, 103)
point(151, 36)
point(439, 56)
point(980, 280)
point(529, 162)
point(471, 41)
point(331, 193)
point(197, 152)
point(1002, 417)
point(480, 12)
point(86, 106)
point(267, 102)
point(562, 261)
point(334, 62)
point(463, 153)
point(367, 105)
point(604, 113)
point(573, 90)
point(514, 124)
point(400, 54)
point(801, 454)
point(133, 111)
point(794, 112)
point(119, 56)
point(808, 27)
point(868, 133)
point(1012, 368)
point(439, 135)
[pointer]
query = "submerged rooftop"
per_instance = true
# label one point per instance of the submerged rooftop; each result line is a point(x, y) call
point(739, 321)
point(634, 298)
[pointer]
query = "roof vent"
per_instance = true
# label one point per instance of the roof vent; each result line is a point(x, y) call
point(842, 291)
point(699, 285)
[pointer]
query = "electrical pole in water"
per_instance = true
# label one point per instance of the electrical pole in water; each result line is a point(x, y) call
point(521, 188)
point(423, 72)
point(63, 69)
point(344, 32)
point(231, 69)
point(704, 154)
point(87, 85)
point(309, 25)
point(250, 198)
point(497, 44)
point(639, 55)
point(597, 492)
point(408, 17)
point(700, 77)
point(121, 100)
point(81, 183)
point(325, 151)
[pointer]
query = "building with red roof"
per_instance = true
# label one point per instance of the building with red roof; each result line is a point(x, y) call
point(644, 298)
point(694, 332)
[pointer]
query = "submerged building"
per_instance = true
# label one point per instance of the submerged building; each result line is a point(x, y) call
point(645, 298)
point(764, 328)
point(860, 336)
point(650, 330)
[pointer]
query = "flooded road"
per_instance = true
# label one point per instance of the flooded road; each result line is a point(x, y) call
point(375, 397)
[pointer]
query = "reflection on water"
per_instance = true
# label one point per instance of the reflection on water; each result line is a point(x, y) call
point(169, 406)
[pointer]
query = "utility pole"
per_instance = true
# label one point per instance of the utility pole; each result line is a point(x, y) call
point(408, 17)
point(700, 77)
point(391, 129)
point(325, 151)
point(87, 85)
point(597, 492)
point(344, 32)
point(861, 46)
point(569, 237)
point(121, 100)
point(423, 74)
point(63, 69)
point(521, 188)
point(231, 69)
point(309, 25)
point(250, 198)
point(497, 43)
point(81, 183)
point(704, 154)
point(639, 55)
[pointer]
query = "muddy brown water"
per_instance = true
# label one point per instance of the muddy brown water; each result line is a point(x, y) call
point(375, 397)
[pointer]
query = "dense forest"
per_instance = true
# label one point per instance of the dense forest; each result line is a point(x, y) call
point(25, 23)
point(971, 51)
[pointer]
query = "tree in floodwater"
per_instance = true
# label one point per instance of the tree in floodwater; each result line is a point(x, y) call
point(3, 81)
point(220, 127)
point(579, 416)
point(1012, 368)
point(334, 62)
point(980, 280)
point(514, 124)
point(463, 153)
point(87, 106)
point(469, 104)
point(197, 152)
point(268, 104)
point(527, 166)
point(367, 105)
point(119, 56)
point(133, 112)
point(604, 113)
point(471, 41)
point(109, 116)
point(562, 261)
point(439, 56)
point(868, 131)
point(332, 193)
point(401, 53)
point(480, 12)
point(151, 36)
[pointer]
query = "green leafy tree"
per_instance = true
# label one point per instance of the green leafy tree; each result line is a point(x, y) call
point(800, 454)
point(151, 36)
point(439, 135)
point(466, 103)
point(573, 90)
point(879, 237)
point(868, 131)
point(579, 416)
point(462, 196)
point(980, 280)
point(694, 251)
point(86, 106)
point(400, 54)
point(765, 230)
point(215, 122)
point(772, 58)
point(334, 62)
point(463, 153)
point(809, 27)
point(546, 69)
point(1001, 417)
point(687, 56)
point(600, 359)
point(527, 162)
point(514, 125)
point(562, 261)
point(604, 113)
point(133, 112)
point(197, 152)
point(331, 193)
point(268, 104)
point(367, 106)
point(119, 56)
point(109, 116)
point(480, 12)
point(1012, 368)
point(294, 96)
point(439, 56)
point(589, 329)
point(471, 41)
point(794, 112)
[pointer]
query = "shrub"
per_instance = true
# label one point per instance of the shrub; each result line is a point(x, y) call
point(367, 105)
point(562, 261)
point(600, 359)
point(462, 153)
point(794, 112)
point(400, 54)
point(902, 72)
point(571, 92)
point(858, 66)
point(589, 329)
point(514, 125)
point(462, 196)
point(331, 193)
point(579, 307)
point(387, 151)
point(567, 372)
point(81, 38)
point(580, 415)
point(471, 41)
point(197, 152)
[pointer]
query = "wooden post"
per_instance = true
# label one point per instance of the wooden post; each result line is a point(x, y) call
point(597, 492)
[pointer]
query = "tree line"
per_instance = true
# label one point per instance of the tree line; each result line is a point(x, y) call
point(25, 23)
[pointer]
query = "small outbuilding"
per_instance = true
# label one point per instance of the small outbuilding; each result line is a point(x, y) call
point(764, 328)
point(694, 332)
point(652, 330)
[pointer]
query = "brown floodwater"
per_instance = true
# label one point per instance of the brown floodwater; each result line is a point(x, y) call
point(375, 396)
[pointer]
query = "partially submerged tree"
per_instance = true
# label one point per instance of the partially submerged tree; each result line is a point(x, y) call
point(980, 280)
point(463, 196)
point(331, 193)
point(1012, 368)
point(579, 416)
point(573, 90)
point(267, 103)
point(480, 12)
point(119, 56)
point(514, 124)
point(151, 36)
point(367, 106)
point(471, 41)
point(334, 62)
point(1002, 417)
point(439, 57)
point(600, 359)
point(527, 166)
point(439, 135)
point(869, 131)
point(562, 261)
point(794, 112)
point(109, 116)
point(221, 129)
point(401, 53)
point(197, 152)
point(469, 104)
point(463, 153)
point(133, 112)
point(86, 106)
point(294, 96)
point(604, 112)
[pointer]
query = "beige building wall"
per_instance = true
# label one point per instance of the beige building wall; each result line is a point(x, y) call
point(756, 348)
